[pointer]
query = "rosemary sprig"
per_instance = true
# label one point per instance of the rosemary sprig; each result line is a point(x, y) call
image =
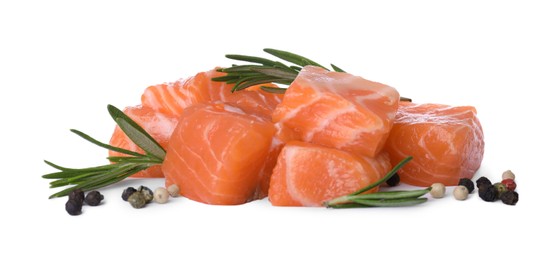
point(265, 71)
point(380, 199)
point(122, 167)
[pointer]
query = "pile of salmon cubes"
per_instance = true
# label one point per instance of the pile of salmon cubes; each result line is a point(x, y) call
point(329, 134)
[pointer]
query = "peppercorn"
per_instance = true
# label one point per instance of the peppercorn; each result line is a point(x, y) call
point(482, 180)
point(147, 193)
point(161, 195)
point(460, 192)
point(94, 198)
point(509, 197)
point(437, 190)
point(510, 184)
point(488, 192)
point(127, 192)
point(466, 183)
point(173, 190)
point(137, 200)
point(73, 207)
point(500, 188)
point(508, 174)
point(394, 180)
point(77, 195)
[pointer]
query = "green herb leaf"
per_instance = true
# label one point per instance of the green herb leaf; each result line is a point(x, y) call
point(387, 195)
point(337, 69)
point(276, 72)
point(391, 203)
point(273, 90)
point(137, 134)
point(242, 68)
point(251, 81)
point(68, 172)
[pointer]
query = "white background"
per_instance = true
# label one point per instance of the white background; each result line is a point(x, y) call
point(62, 62)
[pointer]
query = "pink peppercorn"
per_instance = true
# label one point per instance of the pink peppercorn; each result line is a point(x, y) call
point(509, 183)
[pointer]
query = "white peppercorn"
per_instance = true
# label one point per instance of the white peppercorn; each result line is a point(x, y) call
point(508, 174)
point(173, 190)
point(160, 195)
point(460, 192)
point(437, 190)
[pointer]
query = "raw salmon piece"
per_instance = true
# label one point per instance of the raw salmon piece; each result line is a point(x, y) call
point(447, 143)
point(217, 154)
point(309, 174)
point(337, 110)
point(172, 98)
point(158, 125)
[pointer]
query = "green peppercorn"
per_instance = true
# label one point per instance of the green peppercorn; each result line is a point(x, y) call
point(127, 192)
point(500, 188)
point(137, 200)
point(77, 195)
point(509, 197)
point(73, 207)
point(94, 198)
point(147, 193)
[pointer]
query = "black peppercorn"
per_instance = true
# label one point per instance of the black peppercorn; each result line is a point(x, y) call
point(127, 192)
point(394, 180)
point(73, 207)
point(509, 197)
point(94, 198)
point(466, 183)
point(488, 192)
point(481, 181)
point(77, 195)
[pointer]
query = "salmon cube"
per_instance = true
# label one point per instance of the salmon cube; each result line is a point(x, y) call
point(309, 174)
point(218, 154)
point(337, 110)
point(447, 143)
